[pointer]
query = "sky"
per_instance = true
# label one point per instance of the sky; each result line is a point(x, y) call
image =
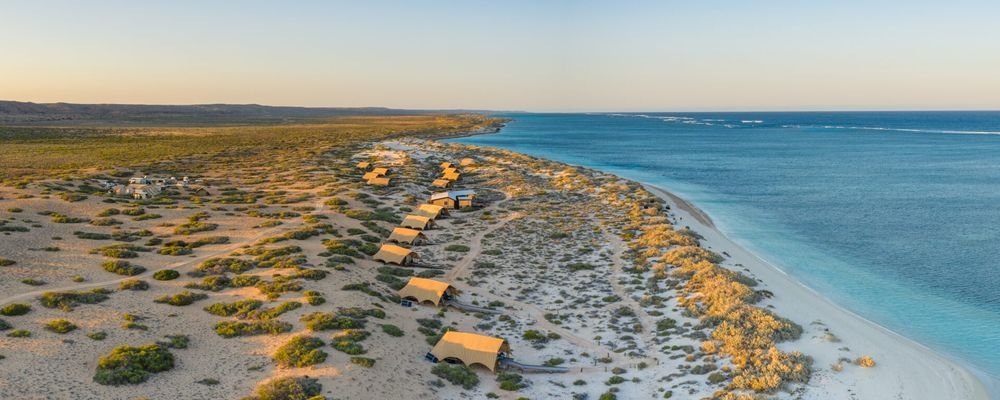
point(565, 56)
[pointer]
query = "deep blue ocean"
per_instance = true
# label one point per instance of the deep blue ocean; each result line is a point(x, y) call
point(894, 215)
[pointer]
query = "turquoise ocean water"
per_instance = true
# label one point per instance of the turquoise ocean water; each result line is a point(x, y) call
point(894, 215)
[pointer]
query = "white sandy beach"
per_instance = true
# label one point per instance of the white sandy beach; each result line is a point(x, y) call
point(905, 369)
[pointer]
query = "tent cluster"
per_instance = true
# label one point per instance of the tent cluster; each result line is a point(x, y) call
point(374, 176)
point(450, 173)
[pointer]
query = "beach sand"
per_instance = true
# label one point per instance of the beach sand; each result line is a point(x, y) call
point(905, 369)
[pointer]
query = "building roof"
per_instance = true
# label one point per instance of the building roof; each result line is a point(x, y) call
point(441, 183)
point(428, 210)
point(449, 169)
point(379, 181)
point(452, 176)
point(381, 170)
point(415, 222)
point(391, 253)
point(467, 161)
point(364, 164)
point(446, 165)
point(371, 175)
point(425, 290)
point(471, 348)
point(454, 194)
point(405, 235)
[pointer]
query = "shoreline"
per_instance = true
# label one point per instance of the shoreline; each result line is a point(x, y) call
point(906, 369)
point(926, 371)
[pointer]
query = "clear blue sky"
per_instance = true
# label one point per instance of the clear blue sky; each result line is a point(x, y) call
point(539, 56)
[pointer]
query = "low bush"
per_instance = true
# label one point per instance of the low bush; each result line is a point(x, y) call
point(300, 351)
point(6, 262)
point(230, 329)
point(218, 266)
point(67, 300)
point(132, 365)
point(456, 374)
point(289, 388)
point(122, 268)
point(15, 309)
point(166, 275)
point(98, 336)
point(457, 248)
point(241, 308)
point(362, 361)
point(60, 326)
point(181, 299)
point(510, 381)
point(19, 333)
point(392, 330)
point(133, 284)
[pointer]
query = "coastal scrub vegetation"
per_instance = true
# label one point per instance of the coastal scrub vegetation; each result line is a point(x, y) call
point(288, 388)
point(132, 365)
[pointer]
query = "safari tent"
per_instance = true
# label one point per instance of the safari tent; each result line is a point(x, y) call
point(371, 175)
point(381, 171)
point(406, 235)
point(364, 165)
point(423, 290)
point(454, 198)
point(430, 211)
point(392, 254)
point(452, 176)
point(417, 222)
point(441, 183)
point(466, 162)
point(470, 348)
point(450, 170)
point(379, 181)
point(446, 165)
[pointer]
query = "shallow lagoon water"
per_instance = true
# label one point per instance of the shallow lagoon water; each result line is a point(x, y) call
point(894, 215)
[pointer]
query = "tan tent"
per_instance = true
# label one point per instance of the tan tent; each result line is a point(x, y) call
point(450, 170)
point(417, 222)
point(470, 348)
point(446, 165)
point(467, 161)
point(430, 211)
point(422, 290)
point(381, 171)
point(371, 175)
point(379, 181)
point(392, 254)
point(452, 176)
point(406, 235)
point(364, 165)
point(441, 183)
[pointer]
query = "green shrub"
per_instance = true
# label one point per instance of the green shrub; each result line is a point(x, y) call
point(67, 300)
point(319, 321)
point(105, 222)
point(289, 388)
point(6, 262)
point(218, 266)
point(176, 342)
point(392, 330)
point(122, 268)
point(99, 335)
point(133, 284)
point(19, 333)
point(181, 299)
point(300, 351)
point(108, 212)
point(4, 325)
point(60, 326)
point(362, 361)
point(120, 251)
point(457, 248)
point(132, 365)
point(166, 275)
point(240, 308)
point(510, 381)
point(456, 374)
point(213, 283)
point(230, 329)
point(239, 281)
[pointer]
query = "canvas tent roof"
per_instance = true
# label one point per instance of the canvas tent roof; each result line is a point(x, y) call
point(429, 210)
point(466, 161)
point(455, 194)
point(379, 181)
point(452, 176)
point(390, 253)
point(364, 164)
point(371, 175)
point(405, 235)
point(471, 348)
point(415, 222)
point(381, 171)
point(449, 170)
point(441, 183)
point(425, 290)
point(446, 165)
